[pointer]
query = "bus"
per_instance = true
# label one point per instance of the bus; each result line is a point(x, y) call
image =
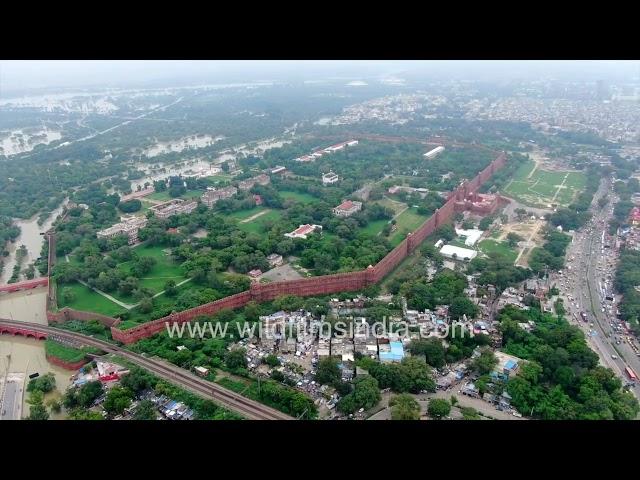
point(631, 374)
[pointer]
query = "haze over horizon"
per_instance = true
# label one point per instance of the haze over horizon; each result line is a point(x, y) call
point(18, 77)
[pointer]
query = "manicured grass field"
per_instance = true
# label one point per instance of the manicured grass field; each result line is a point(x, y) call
point(220, 178)
point(165, 197)
point(407, 222)
point(88, 300)
point(242, 214)
point(298, 197)
point(375, 227)
point(395, 206)
point(258, 225)
point(545, 187)
point(488, 246)
point(63, 352)
point(165, 269)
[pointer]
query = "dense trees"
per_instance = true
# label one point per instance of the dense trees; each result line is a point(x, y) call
point(328, 372)
point(117, 400)
point(131, 206)
point(485, 362)
point(366, 395)
point(562, 378)
point(438, 408)
point(497, 270)
point(404, 407)
point(446, 288)
point(627, 277)
point(551, 254)
point(44, 383)
point(411, 375)
point(431, 348)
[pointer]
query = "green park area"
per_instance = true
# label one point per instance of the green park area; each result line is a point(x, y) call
point(164, 269)
point(68, 354)
point(488, 246)
point(406, 223)
point(258, 224)
point(539, 188)
point(85, 299)
point(165, 197)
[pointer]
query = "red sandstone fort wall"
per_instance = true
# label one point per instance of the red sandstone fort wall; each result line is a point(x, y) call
point(323, 285)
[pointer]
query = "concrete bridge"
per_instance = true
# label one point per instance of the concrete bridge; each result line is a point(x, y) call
point(26, 285)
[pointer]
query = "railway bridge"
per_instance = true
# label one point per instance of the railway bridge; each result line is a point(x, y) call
point(246, 407)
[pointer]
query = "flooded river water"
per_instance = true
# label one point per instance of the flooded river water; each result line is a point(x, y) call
point(25, 356)
point(30, 237)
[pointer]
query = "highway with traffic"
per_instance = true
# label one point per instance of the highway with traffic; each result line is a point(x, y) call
point(586, 287)
point(249, 409)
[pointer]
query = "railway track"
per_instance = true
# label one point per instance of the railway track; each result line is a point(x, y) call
point(246, 407)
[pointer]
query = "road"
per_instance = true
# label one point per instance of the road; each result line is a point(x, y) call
point(585, 284)
point(11, 401)
point(248, 408)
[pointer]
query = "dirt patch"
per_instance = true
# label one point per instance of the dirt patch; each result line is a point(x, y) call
point(281, 273)
point(530, 231)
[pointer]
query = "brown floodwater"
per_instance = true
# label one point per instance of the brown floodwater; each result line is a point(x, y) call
point(26, 355)
point(25, 305)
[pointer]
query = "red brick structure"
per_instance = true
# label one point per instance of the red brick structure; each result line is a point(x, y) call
point(323, 285)
point(26, 285)
point(65, 364)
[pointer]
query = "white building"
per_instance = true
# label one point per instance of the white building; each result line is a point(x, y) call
point(472, 236)
point(434, 153)
point(451, 251)
point(302, 231)
point(128, 226)
point(347, 208)
point(329, 178)
point(173, 207)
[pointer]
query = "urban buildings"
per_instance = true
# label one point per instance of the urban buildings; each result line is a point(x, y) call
point(347, 208)
point(139, 194)
point(176, 206)
point(128, 226)
point(210, 197)
point(333, 148)
point(262, 179)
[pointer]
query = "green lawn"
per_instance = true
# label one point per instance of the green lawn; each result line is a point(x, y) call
point(545, 187)
point(298, 197)
point(165, 197)
point(242, 214)
point(375, 227)
point(259, 224)
point(165, 269)
point(407, 222)
point(396, 207)
point(63, 352)
point(87, 300)
point(488, 246)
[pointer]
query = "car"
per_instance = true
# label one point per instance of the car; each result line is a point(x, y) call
point(614, 357)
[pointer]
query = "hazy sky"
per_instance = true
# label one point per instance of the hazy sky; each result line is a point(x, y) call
point(20, 75)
